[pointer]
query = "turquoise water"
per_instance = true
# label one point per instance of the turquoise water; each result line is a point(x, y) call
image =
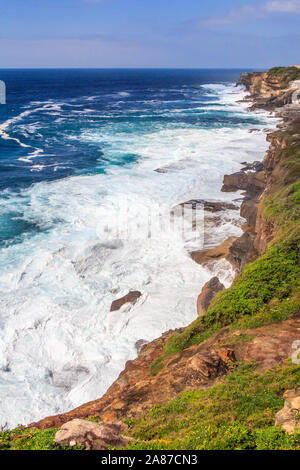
point(76, 144)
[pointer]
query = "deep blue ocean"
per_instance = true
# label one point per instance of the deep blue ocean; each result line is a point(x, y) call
point(73, 144)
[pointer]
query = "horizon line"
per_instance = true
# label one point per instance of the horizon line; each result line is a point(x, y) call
point(134, 68)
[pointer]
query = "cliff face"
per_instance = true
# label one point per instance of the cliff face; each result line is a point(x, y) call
point(271, 89)
point(257, 319)
point(198, 367)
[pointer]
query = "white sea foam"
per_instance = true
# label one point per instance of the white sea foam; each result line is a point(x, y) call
point(60, 345)
point(10, 123)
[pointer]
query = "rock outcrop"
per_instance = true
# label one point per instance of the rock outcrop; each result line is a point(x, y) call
point(272, 89)
point(213, 254)
point(289, 417)
point(200, 366)
point(131, 297)
point(197, 367)
point(92, 436)
point(251, 179)
point(209, 290)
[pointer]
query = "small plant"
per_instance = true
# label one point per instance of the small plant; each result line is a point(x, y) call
point(237, 414)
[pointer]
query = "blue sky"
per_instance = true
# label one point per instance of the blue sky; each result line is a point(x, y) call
point(149, 33)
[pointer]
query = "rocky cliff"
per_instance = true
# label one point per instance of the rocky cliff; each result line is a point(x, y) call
point(225, 374)
point(272, 89)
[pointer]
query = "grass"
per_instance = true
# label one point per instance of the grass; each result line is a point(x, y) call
point(285, 74)
point(254, 296)
point(236, 414)
point(22, 438)
point(239, 412)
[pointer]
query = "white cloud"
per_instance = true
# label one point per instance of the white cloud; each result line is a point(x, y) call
point(247, 12)
point(289, 6)
point(235, 15)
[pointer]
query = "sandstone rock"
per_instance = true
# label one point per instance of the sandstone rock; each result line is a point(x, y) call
point(131, 297)
point(249, 209)
point(208, 292)
point(197, 367)
point(93, 436)
point(241, 251)
point(235, 182)
point(288, 417)
point(251, 181)
point(213, 254)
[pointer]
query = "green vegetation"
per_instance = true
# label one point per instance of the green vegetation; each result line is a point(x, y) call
point(267, 290)
point(93, 419)
point(239, 412)
point(236, 414)
point(22, 438)
point(285, 74)
point(156, 366)
point(237, 339)
point(255, 294)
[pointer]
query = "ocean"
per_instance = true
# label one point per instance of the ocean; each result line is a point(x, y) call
point(74, 145)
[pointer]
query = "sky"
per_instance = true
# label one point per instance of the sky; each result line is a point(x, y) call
point(149, 33)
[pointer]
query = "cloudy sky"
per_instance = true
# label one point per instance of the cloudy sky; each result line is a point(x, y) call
point(149, 33)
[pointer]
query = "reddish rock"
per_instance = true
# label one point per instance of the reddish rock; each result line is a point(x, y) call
point(208, 292)
point(235, 182)
point(267, 90)
point(251, 181)
point(131, 297)
point(213, 254)
point(197, 367)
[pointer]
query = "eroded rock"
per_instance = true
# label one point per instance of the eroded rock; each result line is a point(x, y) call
point(289, 417)
point(93, 436)
point(208, 292)
point(241, 251)
point(213, 254)
point(131, 297)
point(197, 367)
point(252, 181)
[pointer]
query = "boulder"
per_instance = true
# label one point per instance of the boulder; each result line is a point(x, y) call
point(235, 181)
point(93, 436)
point(288, 417)
point(208, 292)
point(213, 254)
point(131, 297)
